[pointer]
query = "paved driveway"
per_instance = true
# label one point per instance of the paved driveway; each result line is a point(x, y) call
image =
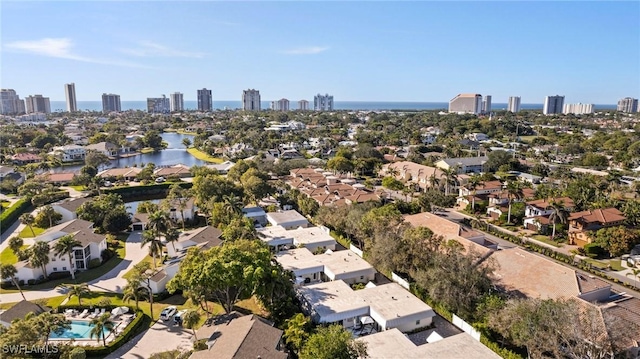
point(162, 336)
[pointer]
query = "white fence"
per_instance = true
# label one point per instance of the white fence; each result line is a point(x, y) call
point(466, 327)
point(356, 250)
point(403, 282)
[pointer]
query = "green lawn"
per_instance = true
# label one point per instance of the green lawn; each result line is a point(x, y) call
point(203, 156)
point(147, 150)
point(545, 239)
point(615, 265)
point(8, 257)
point(79, 188)
point(604, 264)
point(81, 277)
point(26, 232)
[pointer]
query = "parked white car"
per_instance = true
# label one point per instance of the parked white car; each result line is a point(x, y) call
point(167, 313)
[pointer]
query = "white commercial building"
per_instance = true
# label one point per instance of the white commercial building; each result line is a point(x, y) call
point(251, 100)
point(280, 105)
point(37, 103)
point(10, 103)
point(577, 108)
point(158, 104)
point(70, 95)
point(553, 105)
point(323, 103)
point(466, 103)
point(628, 105)
point(486, 104)
point(176, 101)
point(303, 105)
point(111, 103)
point(514, 104)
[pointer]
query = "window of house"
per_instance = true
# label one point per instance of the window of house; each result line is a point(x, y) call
point(418, 322)
point(53, 259)
point(64, 268)
point(361, 277)
point(55, 269)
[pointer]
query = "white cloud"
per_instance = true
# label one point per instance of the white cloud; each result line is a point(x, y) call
point(311, 50)
point(148, 49)
point(61, 48)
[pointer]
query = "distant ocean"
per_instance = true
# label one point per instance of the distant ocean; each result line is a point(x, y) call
point(338, 105)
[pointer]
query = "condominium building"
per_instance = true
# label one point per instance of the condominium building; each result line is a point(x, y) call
point(577, 108)
point(177, 101)
point(158, 104)
point(514, 104)
point(110, 103)
point(303, 105)
point(70, 95)
point(205, 100)
point(10, 103)
point(37, 103)
point(280, 105)
point(628, 105)
point(486, 104)
point(553, 105)
point(251, 100)
point(323, 103)
point(466, 103)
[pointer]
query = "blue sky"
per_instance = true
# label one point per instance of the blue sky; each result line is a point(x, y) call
point(356, 51)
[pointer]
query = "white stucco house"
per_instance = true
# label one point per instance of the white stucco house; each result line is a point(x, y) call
point(288, 219)
point(203, 237)
point(91, 247)
point(330, 266)
point(68, 207)
point(279, 238)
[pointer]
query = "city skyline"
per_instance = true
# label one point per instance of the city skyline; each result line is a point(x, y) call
point(421, 54)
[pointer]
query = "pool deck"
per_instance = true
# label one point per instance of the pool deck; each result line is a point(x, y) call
point(121, 322)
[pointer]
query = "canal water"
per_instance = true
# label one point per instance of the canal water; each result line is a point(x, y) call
point(174, 154)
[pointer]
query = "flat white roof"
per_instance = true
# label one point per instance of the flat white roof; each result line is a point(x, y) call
point(393, 344)
point(391, 301)
point(343, 262)
point(300, 261)
point(333, 301)
point(285, 217)
point(304, 236)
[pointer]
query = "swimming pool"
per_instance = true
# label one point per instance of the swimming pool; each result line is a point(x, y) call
point(79, 330)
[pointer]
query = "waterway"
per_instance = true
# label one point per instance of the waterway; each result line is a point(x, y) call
point(174, 154)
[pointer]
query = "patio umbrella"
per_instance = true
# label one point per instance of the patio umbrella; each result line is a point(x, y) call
point(124, 309)
point(117, 311)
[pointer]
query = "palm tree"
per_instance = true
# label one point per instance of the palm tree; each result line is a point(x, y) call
point(66, 245)
point(433, 180)
point(39, 255)
point(634, 272)
point(514, 190)
point(559, 214)
point(16, 243)
point(186, 142)
point(77, 290)
point(171, 236)
point(232, 203)
point(28, 220)
point(155, 246)
point(133, 290)
point(472, 185)
point(99, 325)
point(48, 212)
point(158, 222)
point(181, 196)
point(190, 320)
point(450, 176)
point(9, 271)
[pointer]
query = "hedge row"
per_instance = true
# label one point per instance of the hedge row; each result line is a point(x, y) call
point(12, 213)
point(145, 190)
point(133, 329)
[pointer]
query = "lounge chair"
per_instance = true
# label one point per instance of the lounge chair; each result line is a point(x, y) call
point(102, 311)
point(95, 313)
point(84, 313)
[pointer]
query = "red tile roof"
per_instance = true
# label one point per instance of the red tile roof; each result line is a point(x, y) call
point(602, 215)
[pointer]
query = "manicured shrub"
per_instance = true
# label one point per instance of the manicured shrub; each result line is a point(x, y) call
point(94, 263)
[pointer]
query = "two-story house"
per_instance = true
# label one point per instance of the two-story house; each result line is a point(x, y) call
point(463, 164)
point(582, 223)
point(91, 247)
point(537, 212)
point(481, 192)
point(413, 173)
point(107, 148)
point(69, 153)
